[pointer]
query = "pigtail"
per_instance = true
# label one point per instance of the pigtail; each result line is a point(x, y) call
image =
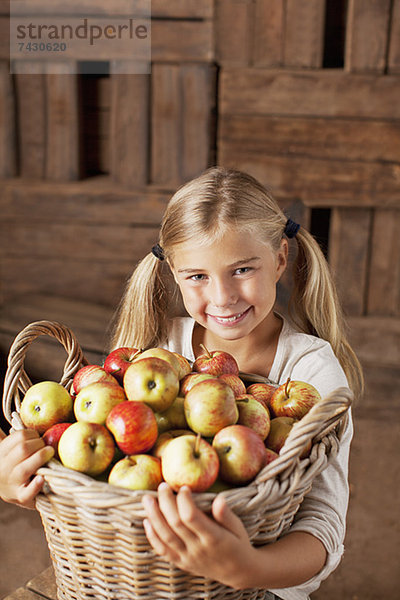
point(315, 308)
point(140, 320)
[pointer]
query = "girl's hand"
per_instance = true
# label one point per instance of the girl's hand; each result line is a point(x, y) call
point(182, 534)
point(21, 455)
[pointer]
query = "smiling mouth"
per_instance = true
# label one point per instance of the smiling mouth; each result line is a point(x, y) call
point(231, 319)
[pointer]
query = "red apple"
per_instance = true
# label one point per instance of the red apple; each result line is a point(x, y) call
point(133, 426)
point(234, 382)
point(216, 363)
point(241, 454)
point(253, 414)
point(190, 380)
point(90, 374)
point(151, 380)
point(137, 472)
point(51, 436)
point(86, 447)
point(45, 404)
point(163, 354)
point(209, 406)
point(261, 392)
point(189, 460)
point(94, 401)
point(166, 437)
point(117, 362)
point(279, 430)
point(184, 365)
point(270, 455)
point(294, 399)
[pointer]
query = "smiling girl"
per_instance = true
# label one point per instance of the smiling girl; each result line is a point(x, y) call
point(225, 242)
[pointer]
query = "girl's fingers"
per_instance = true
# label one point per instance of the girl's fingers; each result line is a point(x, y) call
point(26, 494)
point(159, 524)
point(227, 518)
point(17, 440)
point(194, 519)
point(24, 470)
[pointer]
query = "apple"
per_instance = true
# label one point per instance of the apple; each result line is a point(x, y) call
point(234, 382)
point(294, 399)
point(137, 472)
point(86, 447)
point(261, 392)
point(209, 406)
point(173, 417)
point(163, 354)
point(51, 436)
point(215, 363)
point(90, 374)
point(94, 401)
point(152, 380)
point(189, 460)
point(279, 430)
point(270, 455)
point(133, 426)
point(184, 365)
point(45, 404)
point(117, 362)
point(166, 437)
point(253, 414)
point(241, 454)
point(190, 380)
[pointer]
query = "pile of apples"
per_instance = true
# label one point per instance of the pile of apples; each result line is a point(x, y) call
point(149, 416)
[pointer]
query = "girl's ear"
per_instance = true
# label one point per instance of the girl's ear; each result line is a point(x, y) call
point(282, 259)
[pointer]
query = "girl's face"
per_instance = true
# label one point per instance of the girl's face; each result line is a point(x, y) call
point(229, 286)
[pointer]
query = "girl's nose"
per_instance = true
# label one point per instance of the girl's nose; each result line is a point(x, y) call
point(222, 294)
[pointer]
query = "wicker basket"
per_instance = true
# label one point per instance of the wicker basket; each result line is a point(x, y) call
point(95, 531)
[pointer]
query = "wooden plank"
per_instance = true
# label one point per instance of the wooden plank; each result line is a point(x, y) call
point(8, 165)
point(130, 129)
point(85, 279)
point(44, 584)
point(337, 139)
point(183, 41)
point(367, 35)
point(268, 37)
point(348, 256)
point(329, 93)
point(394, 47)
point(376, 340)
point(62, 131)
point(384, 271)
point(97, 202)
point(166, 112)
point(22, 594)
point(97, 243)
point(31, 118)
point(198, 106)
point(199, 9)
point(304, 33)
point(319, 182)
point(233, 31)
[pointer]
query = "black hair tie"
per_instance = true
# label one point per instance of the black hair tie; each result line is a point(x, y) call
point(158, 252)
point(291, 228)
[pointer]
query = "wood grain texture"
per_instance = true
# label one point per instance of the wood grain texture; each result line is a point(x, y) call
point(394, 39)
point(304, 33)
point(268, 33)
point(8, 136)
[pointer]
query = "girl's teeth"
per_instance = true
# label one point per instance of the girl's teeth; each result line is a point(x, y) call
point(229, 319)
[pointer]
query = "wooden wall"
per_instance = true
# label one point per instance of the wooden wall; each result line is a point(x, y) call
point(303, 94)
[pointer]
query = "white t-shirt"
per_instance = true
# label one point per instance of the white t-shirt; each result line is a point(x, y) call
point(323, 511)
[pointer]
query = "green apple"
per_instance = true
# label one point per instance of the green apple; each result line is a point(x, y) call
point(86, 447)
point(152, 380)
point(253, 414)
point(166, 437)
point(137, 472)
point(95, 401)
point(184, 365)
point(189, 460)
point(173, 417)
point(209, 406)
point(45, 404)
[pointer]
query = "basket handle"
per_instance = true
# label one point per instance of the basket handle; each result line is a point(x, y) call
point(16, 380)
point(317, 423)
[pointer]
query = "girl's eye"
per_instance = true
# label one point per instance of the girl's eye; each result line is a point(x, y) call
point(197, 277)
point(243, 270)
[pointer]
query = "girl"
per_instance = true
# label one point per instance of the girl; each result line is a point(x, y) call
point(225, 242)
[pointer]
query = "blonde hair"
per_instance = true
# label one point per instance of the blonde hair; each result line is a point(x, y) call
point(198, 212)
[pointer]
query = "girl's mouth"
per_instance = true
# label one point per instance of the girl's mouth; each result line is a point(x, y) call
point(232, 320)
